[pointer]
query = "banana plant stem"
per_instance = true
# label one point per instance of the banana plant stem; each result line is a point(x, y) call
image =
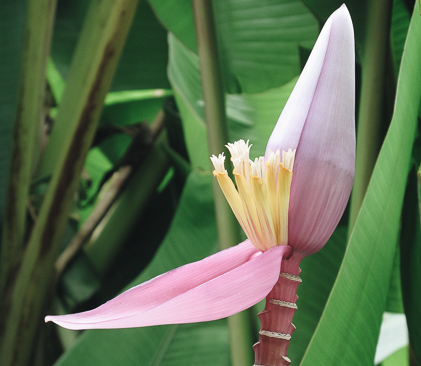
point(27, 135)
point(214, 100)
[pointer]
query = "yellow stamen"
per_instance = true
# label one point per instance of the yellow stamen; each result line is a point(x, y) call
point(253, 230)
point(263, 211)
point(261, 200)
point(282, 202)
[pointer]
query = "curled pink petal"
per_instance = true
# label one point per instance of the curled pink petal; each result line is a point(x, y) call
point(318, 120)
point(213, 288)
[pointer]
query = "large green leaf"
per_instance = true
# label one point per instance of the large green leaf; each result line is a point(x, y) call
point(354, 311)
point(250, 116)
point(192, 236)
point(259, 42)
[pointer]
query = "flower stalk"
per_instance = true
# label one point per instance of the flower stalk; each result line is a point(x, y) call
point(276, 319)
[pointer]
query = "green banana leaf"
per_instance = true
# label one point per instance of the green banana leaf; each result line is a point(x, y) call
point(259, 39)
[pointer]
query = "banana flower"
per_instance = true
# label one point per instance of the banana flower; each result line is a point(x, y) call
point(288, 202)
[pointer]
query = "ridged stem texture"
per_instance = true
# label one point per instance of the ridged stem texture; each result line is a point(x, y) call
point(276, 319)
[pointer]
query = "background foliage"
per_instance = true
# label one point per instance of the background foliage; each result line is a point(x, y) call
point(106, 182)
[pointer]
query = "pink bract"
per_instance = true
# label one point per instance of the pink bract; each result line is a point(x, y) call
point(213, 288)
point(319, 121)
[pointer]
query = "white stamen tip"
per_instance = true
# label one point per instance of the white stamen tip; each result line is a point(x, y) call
point(239, 148)
point(240, 152)
point(274, 160)
point(218, 163)
point(288, 158)
point(258, 167)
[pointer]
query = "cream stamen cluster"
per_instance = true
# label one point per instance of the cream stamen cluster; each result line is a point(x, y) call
point(261, 200)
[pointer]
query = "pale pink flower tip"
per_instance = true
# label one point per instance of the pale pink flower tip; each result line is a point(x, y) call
point(318, 120)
